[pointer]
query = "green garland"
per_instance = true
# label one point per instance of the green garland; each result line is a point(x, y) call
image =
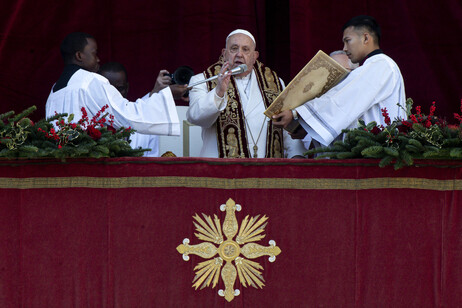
point(21, 137)
point(401, 141)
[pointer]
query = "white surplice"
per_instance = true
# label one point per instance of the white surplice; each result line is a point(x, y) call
point(144, 141)
point(205, 107)
point(155, 115)
point(362, 94)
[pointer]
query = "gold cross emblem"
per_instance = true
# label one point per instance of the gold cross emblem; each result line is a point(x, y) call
point(229, 250)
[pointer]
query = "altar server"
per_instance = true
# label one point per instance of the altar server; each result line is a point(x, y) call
point(80, 86)
point(376, 84)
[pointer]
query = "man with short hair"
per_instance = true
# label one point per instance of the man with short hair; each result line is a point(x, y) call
point(79, 86)
point(230, 108)
point(376, 84)
point(117, 76)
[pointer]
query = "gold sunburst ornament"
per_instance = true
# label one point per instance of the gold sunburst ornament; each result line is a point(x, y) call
point(229, 250)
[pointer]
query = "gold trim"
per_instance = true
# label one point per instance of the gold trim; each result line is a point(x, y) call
point(225, 183)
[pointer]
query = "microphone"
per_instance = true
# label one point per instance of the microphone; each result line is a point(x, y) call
point(235, 71)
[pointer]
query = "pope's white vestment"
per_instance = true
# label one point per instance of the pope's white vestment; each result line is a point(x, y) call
point(205, 107)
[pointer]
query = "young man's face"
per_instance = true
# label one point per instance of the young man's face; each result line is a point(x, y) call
point(88, 57)
point(353, 44)
point(240, 49)
point(118, 80)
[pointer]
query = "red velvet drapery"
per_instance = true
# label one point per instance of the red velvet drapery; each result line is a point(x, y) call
point(149, 36)
point(103, 233)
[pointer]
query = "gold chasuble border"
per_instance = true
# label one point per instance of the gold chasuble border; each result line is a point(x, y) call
point(226, 183)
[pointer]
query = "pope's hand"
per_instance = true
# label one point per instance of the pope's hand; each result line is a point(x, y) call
point(223, 80)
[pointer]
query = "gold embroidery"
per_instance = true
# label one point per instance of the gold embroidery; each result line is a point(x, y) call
point(249, 272)
point(231, 144)
point(277, 147)
point(269, 77)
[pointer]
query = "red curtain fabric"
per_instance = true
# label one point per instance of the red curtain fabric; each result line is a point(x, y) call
point(104, 233)
point(412, 34)
point(149, 36)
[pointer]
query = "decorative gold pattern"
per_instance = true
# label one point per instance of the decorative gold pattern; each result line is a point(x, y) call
point(227, 183)
point(168, 154)
point(249, 272)
point(319, 75)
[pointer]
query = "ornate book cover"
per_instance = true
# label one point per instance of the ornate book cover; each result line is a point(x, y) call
point(316, 78)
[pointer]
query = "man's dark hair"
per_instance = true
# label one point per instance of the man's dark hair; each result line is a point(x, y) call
point(367, 22)
point(73, 42)
point(112, 67)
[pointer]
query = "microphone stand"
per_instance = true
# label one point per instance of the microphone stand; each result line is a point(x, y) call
point(242, 68)
point(202, 81)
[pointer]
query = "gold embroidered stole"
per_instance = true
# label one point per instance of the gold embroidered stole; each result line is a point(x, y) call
point(231, 128)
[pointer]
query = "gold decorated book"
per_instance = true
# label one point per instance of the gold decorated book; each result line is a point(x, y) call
point(316, 78)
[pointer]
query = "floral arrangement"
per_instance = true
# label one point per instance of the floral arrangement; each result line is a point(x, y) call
point(401, 141)
point(95, 137)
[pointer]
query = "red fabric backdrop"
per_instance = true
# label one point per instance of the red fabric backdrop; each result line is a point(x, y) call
point(423, 38)
point(103, 233)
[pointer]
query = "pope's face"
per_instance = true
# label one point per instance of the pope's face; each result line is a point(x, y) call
point(343, 60)
point(240, 49)
point(353, 44)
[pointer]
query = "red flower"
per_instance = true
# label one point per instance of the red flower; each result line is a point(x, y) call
point(376, 130)
point(432, 110)
point(403, 129)
point(111, 129)
point(386, 116)
point(94, 133)
point(111, 119)
point(457, 116)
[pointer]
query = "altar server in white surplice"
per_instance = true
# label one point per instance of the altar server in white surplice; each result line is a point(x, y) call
point(376, 84)
point(80, 86)
point(230, 109)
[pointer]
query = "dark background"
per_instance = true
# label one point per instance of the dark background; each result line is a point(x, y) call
point(423, 37)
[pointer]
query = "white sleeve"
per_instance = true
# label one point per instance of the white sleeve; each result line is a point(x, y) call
point(204, 106)
point(326, 116)
point(155, 115)
point(293, 147)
